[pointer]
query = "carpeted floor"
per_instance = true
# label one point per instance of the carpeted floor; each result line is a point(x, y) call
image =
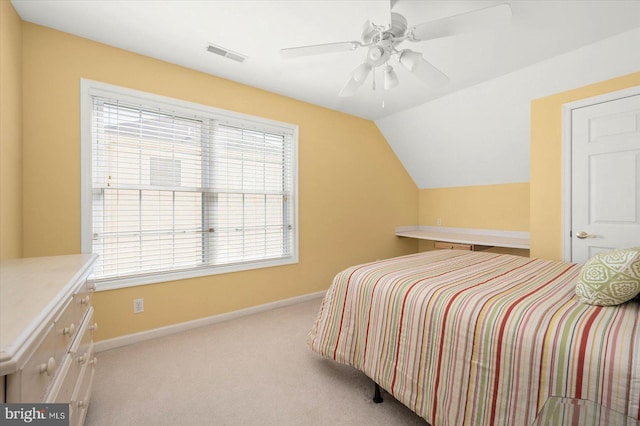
point(254, 370)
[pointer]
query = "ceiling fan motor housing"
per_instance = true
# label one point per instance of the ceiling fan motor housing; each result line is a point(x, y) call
point(398, 25)
point(384, 39)
point(372, 33)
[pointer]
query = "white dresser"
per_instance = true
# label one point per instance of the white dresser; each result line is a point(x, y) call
point(46, 331)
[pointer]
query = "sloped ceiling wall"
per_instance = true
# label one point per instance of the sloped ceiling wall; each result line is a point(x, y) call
point(481, 135)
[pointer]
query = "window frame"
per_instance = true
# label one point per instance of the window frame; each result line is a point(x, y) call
point(90, 88)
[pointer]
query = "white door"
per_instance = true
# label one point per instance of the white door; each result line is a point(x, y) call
point(605, 176)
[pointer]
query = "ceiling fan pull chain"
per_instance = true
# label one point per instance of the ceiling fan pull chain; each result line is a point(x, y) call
point(373, 74)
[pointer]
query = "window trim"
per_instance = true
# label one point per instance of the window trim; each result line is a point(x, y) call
point(89, 88)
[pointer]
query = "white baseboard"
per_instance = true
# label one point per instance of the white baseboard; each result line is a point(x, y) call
point(129, 339)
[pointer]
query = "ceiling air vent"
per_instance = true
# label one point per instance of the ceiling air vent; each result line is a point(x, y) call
point(226, 53)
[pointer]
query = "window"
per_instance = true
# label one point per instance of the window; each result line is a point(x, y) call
point(174, 190)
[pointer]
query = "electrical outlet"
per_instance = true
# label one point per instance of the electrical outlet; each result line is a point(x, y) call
point(138, 306)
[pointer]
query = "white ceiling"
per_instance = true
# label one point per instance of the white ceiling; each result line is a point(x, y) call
point(179, 32)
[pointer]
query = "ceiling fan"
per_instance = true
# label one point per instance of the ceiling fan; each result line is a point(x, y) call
point(382, 41)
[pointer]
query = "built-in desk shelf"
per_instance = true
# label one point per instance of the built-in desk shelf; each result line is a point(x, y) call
point(484, 237)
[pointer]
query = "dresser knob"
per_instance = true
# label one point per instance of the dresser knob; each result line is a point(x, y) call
point(91, 286)
point(82, 358)
point(49, 367)
point(85, 300)
point(69, 330)
point(93, 327)
point(81, 403)
point(94, 362)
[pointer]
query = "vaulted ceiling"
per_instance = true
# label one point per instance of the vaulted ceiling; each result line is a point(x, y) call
point(180, 31)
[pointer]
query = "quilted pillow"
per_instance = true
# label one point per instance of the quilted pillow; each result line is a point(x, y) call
point(610, 278)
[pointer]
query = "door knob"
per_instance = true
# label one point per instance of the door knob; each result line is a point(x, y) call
point(582, 235)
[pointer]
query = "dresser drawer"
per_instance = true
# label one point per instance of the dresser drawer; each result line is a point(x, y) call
point(458, 246)
point(70, 320)
point(82, 298)
point(31, 382)
point(67, 325)
point(82, 394)
point(452, 246)
point(79, 355)
point(60, 385)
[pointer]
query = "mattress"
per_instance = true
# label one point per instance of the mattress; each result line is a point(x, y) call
point(480, 338)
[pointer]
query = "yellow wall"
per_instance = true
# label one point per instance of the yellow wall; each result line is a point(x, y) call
point(10, 132)
point(353, 191)
point(546, 163)
point(501, 207)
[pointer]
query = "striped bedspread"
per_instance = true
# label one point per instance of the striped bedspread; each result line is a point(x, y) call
point(478, 338)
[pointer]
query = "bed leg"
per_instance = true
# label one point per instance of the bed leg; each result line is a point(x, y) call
point(377, 398)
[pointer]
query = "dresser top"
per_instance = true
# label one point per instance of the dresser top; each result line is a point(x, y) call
point(32, 291)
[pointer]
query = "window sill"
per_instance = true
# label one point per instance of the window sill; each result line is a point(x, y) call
point(190, 273)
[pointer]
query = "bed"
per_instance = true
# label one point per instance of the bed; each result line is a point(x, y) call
point(478, 338)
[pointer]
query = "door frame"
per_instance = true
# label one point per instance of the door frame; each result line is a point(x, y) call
point(567, 127)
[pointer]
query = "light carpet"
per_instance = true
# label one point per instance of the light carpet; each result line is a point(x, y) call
point(253, 370)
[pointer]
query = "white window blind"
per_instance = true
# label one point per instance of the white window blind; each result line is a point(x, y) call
point(175, 191)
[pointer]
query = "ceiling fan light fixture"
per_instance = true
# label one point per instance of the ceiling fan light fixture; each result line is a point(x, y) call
point(390, 78)
point(409, 59)
point(361, 72)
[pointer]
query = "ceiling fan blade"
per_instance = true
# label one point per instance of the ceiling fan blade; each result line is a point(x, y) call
point(350, 88)
point(421, 68)
point(476, 20)
point(319, 49)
